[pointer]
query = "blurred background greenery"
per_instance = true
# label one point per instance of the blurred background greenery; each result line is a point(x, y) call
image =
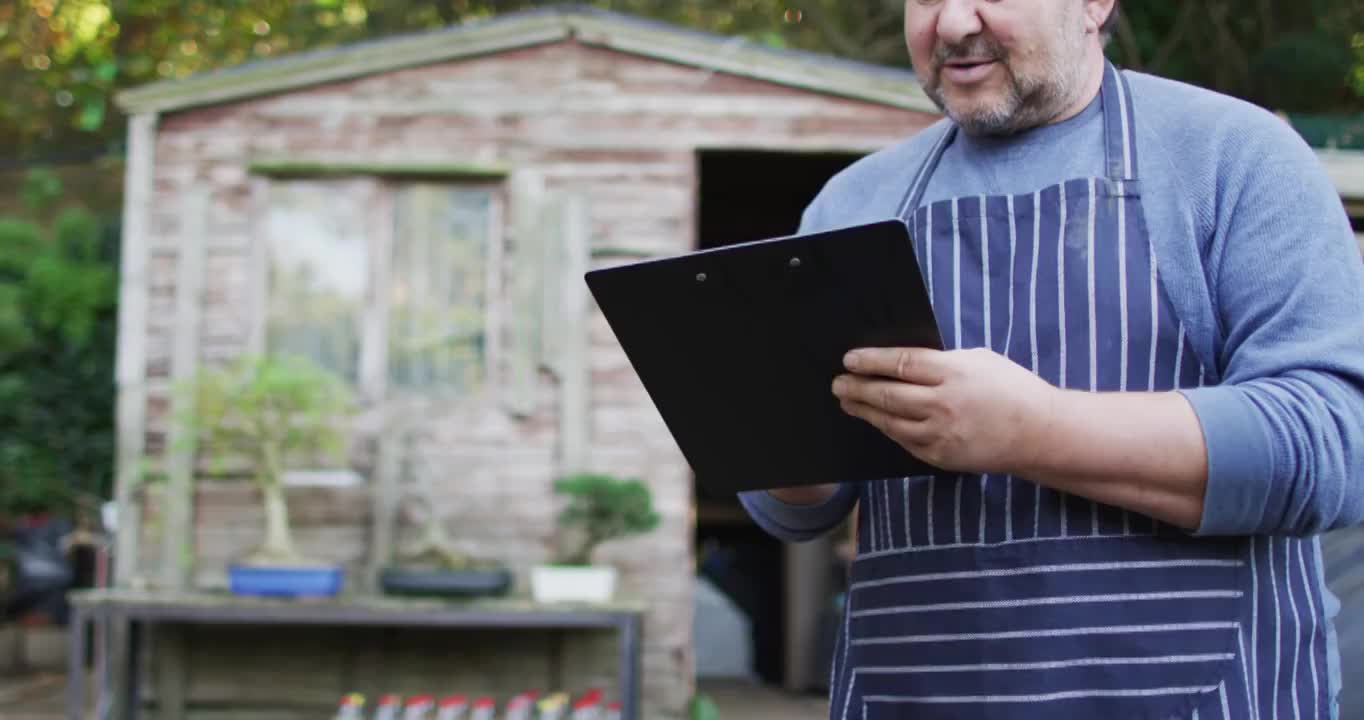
point(62, 60)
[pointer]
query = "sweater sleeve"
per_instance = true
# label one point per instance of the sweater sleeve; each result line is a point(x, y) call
point(1285, 427)
point(800, 523)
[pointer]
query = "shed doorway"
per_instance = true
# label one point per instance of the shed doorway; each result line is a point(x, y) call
point(787, 595)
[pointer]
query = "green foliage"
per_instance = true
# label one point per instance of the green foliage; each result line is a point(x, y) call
point(62, 61)
point(1299, 71)
point(57, 337)
point(1358, 75)
point(601, 508)
point(41, 189)
point(1294, 56)
point(702, 707)
point(271, 411)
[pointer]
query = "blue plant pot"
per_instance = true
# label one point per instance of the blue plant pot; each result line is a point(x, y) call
point(319, 581)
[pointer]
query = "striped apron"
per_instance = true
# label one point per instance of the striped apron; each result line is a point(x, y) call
point(992, 597)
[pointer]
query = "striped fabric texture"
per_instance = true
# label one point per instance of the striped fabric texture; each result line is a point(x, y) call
point(992, 597)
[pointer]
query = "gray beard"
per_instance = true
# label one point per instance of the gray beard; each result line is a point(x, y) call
point(1025, 105)
point(1029, 101)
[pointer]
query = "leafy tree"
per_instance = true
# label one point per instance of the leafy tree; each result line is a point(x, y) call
point(57, 329)
point(273, 412)
point(1296, 56)
point(61, 61)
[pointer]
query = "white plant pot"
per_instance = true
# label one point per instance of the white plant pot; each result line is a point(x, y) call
point(573, 584)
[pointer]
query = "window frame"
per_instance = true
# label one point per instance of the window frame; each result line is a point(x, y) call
point(381, 192)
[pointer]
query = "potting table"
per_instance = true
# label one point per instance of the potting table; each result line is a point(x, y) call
point(136, 611)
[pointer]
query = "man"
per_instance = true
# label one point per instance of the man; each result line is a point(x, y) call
point(1152, 301)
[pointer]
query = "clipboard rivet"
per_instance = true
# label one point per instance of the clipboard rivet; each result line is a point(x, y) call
point(795, 262)
point(700, 277)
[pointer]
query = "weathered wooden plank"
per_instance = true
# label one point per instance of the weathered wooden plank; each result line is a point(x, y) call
point(526, 189)
point(374, 343)
point(177, 537)
point(301, 167)
point(494, 300)
point(229, 503)
point(316, 68)
point(264, 666)
point(131, 362)
point(259, 272)
point(680, 104)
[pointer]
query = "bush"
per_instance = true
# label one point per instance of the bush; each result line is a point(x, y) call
point(58, 328)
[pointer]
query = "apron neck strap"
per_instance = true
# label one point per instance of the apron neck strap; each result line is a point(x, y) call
point(1120, 150)
point(915, 193)
point(1120, 135)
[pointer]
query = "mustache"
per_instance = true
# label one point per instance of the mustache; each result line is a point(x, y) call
point(978, 47)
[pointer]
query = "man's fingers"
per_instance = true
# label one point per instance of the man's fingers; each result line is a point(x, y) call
point(912, 402)
point(908, 433)
point(920, 366)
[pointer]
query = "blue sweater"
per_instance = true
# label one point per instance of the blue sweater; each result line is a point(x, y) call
point(1257, 254)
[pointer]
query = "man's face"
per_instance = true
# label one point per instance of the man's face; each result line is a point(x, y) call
point(1000, 66)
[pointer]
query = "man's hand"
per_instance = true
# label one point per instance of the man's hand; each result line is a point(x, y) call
point(965, 410)
point(975, 411)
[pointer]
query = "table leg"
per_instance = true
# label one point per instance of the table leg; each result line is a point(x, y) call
point(101, 634)
point(629, 668)
point(75, 664)
point(132, 674)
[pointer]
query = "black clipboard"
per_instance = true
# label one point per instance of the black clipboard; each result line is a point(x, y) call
point(738, 348)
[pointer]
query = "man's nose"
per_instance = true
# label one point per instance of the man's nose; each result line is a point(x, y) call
point(958, 20)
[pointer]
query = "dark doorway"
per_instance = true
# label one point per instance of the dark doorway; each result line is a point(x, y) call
point(752, 195)
point(744, 196)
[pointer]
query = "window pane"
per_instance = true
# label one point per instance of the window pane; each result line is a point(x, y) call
point(436, 319)
point(319, 268)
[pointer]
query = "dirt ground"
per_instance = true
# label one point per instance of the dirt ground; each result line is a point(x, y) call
point(31, 697)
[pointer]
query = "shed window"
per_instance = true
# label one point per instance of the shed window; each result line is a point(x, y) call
point(320, 258)
point(437, 290)
point(420, 251)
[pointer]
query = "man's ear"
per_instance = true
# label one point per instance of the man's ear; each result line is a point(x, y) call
point(1097, 13)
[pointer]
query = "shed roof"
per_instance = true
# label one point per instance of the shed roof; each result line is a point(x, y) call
point(816, 72)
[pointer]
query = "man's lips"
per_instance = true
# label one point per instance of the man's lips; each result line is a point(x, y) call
point(969, 70)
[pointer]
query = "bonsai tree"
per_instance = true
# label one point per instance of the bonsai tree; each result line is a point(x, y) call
point(601, 508)
point(268, 413)
point(434, 549)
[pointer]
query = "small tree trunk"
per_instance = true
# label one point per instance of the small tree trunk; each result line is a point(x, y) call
point(279, 541)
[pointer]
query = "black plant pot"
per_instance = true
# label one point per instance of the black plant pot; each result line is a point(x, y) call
point(428, 582)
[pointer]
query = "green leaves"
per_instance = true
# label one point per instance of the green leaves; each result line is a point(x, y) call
point(51, 280)
point(61, 66)
point(57, 330)
point(702, 707)
point(601, 508)
point(1358, 72)
point(270, 411)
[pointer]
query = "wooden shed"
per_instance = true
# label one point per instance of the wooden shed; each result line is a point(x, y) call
point(416, 214)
